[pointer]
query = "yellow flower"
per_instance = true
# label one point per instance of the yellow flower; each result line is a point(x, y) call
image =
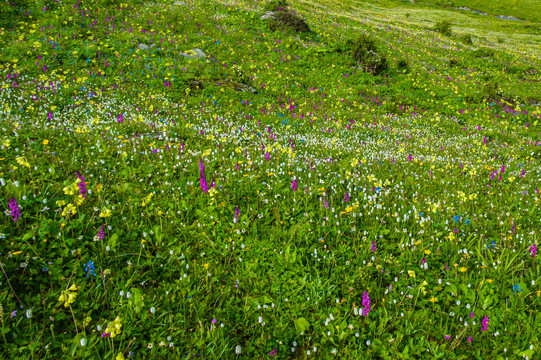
point(462, 269)
point(428, 252)
point(22, 161)
point(105, 213)
point(206, 266)
point(433, 300)
point(114, 327)
point(411, 273)
point(45, 142)
point(119, 356)
point(68, 296)
point(489, 281)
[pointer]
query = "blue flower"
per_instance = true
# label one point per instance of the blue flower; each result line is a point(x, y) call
point(516, 288)
point(467, 222)
point(456, 219)
point(90, 268)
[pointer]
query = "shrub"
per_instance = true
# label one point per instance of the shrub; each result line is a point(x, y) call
point(276, 5)
point(483, 53)
point(402, 64)
point(364, 50)
point(444, 28)
point(467, 39)
point(454, 62)
point(284, 20)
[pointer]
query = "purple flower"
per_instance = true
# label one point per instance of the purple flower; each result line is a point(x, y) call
point(472, 314)
point(366, 303)
point(101, 233)
point(373, 247)
point(82, 185)
point(447, 337)
point(267, 156)
point(533, 250)
point(14, 208)
point(325, 203)
point(485, 324)
point(237, 212)
point(346, 199)
point(294, 184)
point(13, 314)
point(202, 178)
point(273, 352)
point(470, 339)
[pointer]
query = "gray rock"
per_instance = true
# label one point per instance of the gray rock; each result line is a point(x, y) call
point(145, 47)
point(267, 15)
point(194, 54)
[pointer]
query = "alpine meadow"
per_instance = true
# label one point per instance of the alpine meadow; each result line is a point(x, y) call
point(284, 179)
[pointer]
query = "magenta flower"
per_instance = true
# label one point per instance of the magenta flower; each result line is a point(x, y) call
point(273, 352)
point(14, 208)
point(82, 185)
point(485, 324)
point(470, 339)
point(101, 233)
point(346, 199)
point(447, 337)
point(325, 203)
point(202, 178)
point(267, 156)
point(533, 250)
point(294, 184)
point(373, 247)
point(366, 303)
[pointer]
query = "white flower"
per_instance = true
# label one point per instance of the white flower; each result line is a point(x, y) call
point(29, 313)
point(238, 349)
point(333, 351)
point(82, 342)
point(368, 342)
point(152, 310)
point(128, 295)
point(121, 293)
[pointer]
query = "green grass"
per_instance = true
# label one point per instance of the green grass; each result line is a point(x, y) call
point(522, 9)
point(417, 187)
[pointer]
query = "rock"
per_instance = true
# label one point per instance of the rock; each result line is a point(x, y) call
point(194, 54)
point(145, 47)
point(267, 15)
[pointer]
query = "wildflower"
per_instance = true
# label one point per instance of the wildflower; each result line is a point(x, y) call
point(267, 156)
point(373, 247)
point(533, 250)
point(433, 300)
point(105, 213)
point(516, 288)
point(114, 327)
point(13, 314)
point(366, 303)
point(470, 339)
point(411, 273)
point(120, 356)
point(237, 213)
point(14, 209)
point(150, 345)
point(82, 341)
point(273, 352)
point(325, 203)
point(22, 161)
point(346, 199)
point(90, 268)
point(294, 184)
point(202, 177)
point(101, 234)
point(68, 296)
point(238, 349)
point(447, 337)
point(82, 185)
point(485, 323)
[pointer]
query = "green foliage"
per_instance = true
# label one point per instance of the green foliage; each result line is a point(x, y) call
point(444, 27)
point(364, 51)
point(401, 189)
point(276, 5)
point(285, 20)
point(484, 53)
point(467, 39)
